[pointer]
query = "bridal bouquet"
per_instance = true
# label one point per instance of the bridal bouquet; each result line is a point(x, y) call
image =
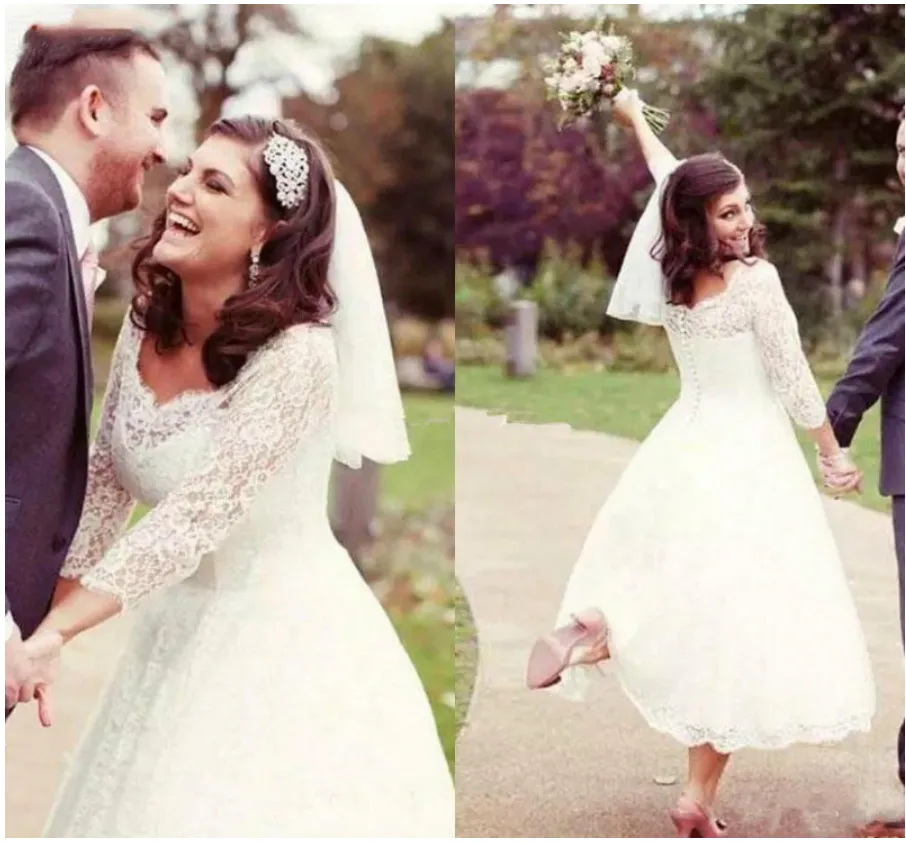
point(591, 69)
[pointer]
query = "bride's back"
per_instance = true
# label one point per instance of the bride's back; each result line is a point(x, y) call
point(714, 343)
point(743, 346)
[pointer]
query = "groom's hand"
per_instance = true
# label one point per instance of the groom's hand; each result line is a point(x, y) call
point(840, 474)
point(18, 668)
point(34, 666)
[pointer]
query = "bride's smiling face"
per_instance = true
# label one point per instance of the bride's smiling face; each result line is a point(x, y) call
point(732, 218)
point(215, 214)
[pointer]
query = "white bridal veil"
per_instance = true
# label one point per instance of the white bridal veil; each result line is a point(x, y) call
point(639, 294)
point(370, 419)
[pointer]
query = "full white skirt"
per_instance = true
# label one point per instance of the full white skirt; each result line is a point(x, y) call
point(286, 710)
point(713, 560)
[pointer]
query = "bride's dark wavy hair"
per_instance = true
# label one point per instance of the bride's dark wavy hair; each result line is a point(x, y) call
point(292, 285)
point(688, 244)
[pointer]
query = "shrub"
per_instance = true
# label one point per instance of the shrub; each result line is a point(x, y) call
point(572, 299)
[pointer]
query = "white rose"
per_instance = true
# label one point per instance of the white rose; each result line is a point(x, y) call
point(577, 81)
point(591, 66)
point(596, 51)
point(570, 65)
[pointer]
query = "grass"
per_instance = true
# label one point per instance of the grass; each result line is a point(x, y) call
point(626, 404)
point(428, 477)
point(466, 657)
point(429, 642)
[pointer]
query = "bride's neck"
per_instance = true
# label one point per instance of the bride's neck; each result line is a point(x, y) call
point(200, 309)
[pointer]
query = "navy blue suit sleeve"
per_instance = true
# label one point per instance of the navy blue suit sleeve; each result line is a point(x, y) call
point(877, 356)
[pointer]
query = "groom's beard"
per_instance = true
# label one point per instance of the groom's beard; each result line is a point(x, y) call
point(117, 184)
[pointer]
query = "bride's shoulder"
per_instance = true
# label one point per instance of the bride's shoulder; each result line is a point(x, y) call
point(752, 272)
point(298, 348)
point(311, 342)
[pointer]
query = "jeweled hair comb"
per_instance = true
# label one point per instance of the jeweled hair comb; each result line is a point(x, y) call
point(288, 164)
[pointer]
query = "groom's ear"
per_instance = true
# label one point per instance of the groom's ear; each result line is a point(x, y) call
point(93, 111)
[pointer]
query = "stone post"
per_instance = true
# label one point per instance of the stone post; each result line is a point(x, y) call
point(521, 337)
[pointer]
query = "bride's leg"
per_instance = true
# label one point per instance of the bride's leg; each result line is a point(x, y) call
point(693, 815)
point(705, 766)
point(714, 780)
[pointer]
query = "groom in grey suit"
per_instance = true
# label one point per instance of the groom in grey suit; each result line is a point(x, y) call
point(87, 108)
point(876, 372)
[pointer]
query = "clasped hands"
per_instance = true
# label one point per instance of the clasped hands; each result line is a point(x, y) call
point(31, 667)
point(839, 472)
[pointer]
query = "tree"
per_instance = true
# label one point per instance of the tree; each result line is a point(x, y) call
point(210, 46)
point(521, 182)
point(390, 131)
point(807, 97)
point(415, 209)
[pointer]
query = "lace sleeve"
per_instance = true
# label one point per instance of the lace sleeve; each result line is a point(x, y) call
point(107, 504)
point(286, 393)
point(777, 332)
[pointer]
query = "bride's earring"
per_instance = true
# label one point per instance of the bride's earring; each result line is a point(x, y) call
point(254, 269)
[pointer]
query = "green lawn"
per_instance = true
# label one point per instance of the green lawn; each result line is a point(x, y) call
point(466, 657)
point(625, 404)
point(429, 642)
point(428, 477)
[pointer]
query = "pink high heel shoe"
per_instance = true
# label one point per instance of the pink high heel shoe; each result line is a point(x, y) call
point(561, 649)
point(692, 820)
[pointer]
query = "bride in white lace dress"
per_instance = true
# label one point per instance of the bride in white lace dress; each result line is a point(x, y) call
point(710, 579)
point(263, 691)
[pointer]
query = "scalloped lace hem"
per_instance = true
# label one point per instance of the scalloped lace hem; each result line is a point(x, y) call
point(664, 721)
point(728, 743)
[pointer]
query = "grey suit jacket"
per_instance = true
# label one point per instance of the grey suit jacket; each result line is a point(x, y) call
point(48, 387)
point(876, 371)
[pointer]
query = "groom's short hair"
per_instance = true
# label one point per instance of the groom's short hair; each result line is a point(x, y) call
point(57, 63)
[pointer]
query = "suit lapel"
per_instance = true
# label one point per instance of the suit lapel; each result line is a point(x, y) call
point(77, 291)
point(83, 327)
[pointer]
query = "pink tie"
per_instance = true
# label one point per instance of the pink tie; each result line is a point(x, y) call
point(90, 269)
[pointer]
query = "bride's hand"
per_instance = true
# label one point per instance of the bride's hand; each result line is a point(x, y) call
point(627, 107)
point(840, 473)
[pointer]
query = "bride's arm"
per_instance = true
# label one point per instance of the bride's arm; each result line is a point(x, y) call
point(659, 158)
point(289, 394)
point(777, 332)
point(107, 504)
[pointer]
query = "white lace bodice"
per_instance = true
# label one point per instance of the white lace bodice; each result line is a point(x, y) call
point(250, 460)
point(744, 345)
